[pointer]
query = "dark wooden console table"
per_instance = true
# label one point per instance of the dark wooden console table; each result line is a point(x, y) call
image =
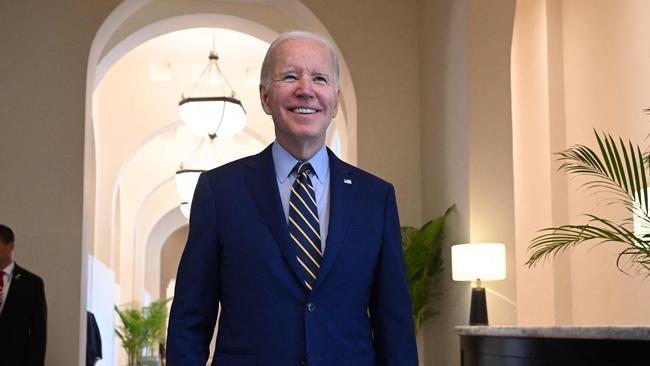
point(554, 346)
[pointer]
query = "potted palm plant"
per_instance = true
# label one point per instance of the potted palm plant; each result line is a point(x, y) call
point(618, 169)
point(155, 321)
point(132, 333)
point(142, 331)
point(422, 248)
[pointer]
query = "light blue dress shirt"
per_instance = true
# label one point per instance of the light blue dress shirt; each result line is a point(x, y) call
point(320, 179)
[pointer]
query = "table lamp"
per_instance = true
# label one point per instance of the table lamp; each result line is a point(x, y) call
point(476, 262)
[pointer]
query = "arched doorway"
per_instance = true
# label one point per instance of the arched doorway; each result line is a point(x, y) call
point(132, 207)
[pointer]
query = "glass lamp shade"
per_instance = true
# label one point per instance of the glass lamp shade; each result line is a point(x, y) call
point(185, 209)
point(186, 180)
point(213, 116)
point(485, 261)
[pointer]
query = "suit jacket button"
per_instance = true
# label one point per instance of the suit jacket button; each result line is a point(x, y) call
point(311, 307)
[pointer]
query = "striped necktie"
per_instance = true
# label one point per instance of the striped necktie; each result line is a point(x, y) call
point(304, 227)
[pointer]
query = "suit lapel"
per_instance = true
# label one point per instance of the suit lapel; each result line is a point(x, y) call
point(261, 182)
point(341, 193)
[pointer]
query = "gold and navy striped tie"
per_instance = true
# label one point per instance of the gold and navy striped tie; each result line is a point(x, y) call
point(304, 227)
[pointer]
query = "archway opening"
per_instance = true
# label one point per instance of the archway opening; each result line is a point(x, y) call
point(136, 143)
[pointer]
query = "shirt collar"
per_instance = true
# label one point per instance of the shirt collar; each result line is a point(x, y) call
point(9, 269)
point(284, 162)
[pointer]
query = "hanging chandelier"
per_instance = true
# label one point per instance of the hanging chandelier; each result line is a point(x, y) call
point(200, 159)
point(210, 109)
point(186, 207)
point(186, 180)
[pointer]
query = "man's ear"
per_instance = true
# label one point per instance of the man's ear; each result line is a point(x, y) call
point(264, 99)
point(338, 100)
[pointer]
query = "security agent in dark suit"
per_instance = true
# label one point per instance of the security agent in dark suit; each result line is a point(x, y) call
point(23, 312)
point(301, 251)
point(93, 340)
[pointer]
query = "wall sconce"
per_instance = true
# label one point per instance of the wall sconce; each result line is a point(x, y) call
point(476, 262)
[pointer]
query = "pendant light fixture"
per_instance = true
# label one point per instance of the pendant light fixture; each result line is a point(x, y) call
point(186, 180)
point(200, 159)
point(186, 207)
point(211, 107)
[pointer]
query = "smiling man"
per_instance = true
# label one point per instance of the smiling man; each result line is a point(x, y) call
point(300, 251)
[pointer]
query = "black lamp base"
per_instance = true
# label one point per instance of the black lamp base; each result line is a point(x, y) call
point(478, 309)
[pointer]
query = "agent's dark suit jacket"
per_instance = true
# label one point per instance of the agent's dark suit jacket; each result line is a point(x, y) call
point(93, 340)
point(23, 321)
point(239, 256)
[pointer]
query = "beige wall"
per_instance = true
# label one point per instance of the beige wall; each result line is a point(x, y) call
point(445, 156)
point(544, 293)
point(606, 78)
point(577, 65)
point(42, 88)
point(491, 198)
point(467, 150)
point(533, 170)
point(382, 55)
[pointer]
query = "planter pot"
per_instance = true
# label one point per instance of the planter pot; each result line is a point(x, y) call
point(151, 361)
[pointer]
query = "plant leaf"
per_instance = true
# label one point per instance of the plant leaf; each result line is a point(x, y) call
point(423, 258)
point(619, 170)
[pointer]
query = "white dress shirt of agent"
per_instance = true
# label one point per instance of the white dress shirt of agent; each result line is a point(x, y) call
point(23, 312)
point(253, 247)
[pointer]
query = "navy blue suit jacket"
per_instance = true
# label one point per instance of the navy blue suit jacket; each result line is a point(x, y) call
point(239, 256)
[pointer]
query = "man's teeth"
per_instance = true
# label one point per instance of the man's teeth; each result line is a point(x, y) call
point(304, 110)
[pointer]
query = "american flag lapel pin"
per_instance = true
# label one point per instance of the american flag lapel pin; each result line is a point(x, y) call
point(347, 181)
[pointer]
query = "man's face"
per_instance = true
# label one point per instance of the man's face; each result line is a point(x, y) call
point(6, 251)
point(303, 94)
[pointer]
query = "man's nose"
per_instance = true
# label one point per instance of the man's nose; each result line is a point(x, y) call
point(305, 88)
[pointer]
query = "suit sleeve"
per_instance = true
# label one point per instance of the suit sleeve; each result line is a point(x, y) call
point(38, 326)
point(390, 304)
point(196, 303)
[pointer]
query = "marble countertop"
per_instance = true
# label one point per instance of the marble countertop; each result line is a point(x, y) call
point(623, 332)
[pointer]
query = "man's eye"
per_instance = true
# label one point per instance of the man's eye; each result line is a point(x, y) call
point(320, 79)
point(289, 77)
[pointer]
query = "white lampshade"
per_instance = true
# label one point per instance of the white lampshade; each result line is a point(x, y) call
point(213, 116)
point(185, 209)
point(485, 261)
point(186, 180)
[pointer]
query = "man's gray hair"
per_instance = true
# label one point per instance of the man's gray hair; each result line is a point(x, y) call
point(265, 75)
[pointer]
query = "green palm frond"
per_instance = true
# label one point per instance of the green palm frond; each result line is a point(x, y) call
point(619, 169)
point(423, 257)
point(132, 333)
point(554, 241)
point(156, 321)
point(142, 328)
